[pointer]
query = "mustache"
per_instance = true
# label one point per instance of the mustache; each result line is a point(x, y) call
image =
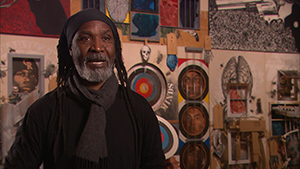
point(96, 57)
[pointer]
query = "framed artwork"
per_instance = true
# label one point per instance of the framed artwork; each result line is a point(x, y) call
point(237, 100)
point(144, 26)
point(118, 11)
point(37, 18)
point(194, 155)
point(168, 11)
point(149, 6)
point(238, 149)
point(148, 81)
point(193, 83)
point(189, 14)
point(287, 85)
point(25, 73)
point(193, 120)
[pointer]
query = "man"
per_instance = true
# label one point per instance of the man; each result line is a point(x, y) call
point(89, 121)
point(25, 75)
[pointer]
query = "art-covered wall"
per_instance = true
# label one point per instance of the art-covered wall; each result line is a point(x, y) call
point(221, 90)
point(254, 94)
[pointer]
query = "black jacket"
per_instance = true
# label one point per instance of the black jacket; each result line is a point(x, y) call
point(36, 136)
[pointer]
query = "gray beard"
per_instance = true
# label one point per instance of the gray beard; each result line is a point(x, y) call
point(97, 75)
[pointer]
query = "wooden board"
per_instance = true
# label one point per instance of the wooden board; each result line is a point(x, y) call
point(172, 44)
point(218, 116)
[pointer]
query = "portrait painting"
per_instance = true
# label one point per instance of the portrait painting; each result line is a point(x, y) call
point(193, 83)
point(25, 73)
point(193, 118)
point(194, 155)
point(144, 26)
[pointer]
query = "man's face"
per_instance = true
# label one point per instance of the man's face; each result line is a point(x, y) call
point(192, 84)
point(194, 121)
point(25, 80)
point(93, 51)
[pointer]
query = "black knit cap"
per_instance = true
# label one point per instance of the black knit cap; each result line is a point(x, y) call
point(70, 28)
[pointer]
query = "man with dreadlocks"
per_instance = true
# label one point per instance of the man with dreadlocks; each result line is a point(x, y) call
point(90, 120)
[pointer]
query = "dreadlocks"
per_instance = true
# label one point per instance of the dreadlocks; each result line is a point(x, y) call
point(66, 67)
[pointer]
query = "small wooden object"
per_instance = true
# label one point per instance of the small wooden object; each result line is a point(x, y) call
point(218, 116)
point(207, 43)
point(171, 44)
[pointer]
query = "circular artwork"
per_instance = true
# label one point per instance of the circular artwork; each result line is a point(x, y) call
point(148, 81)
point(169, 137)
point(193, 83)
point(194, 155)
point(193, 120)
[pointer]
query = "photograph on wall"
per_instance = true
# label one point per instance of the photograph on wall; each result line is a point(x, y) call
point(144, 26)
point(25, 73)
point(189, 14)
point(37, 18)
point(149, 6)
point(168, 12)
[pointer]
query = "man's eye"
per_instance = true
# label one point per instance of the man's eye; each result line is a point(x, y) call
point(20, 74)
point(84, 38)
point(106, 38)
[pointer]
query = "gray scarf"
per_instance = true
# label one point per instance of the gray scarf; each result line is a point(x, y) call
point(92, 143)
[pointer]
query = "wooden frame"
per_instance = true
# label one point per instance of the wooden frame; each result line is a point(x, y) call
point(244, 149)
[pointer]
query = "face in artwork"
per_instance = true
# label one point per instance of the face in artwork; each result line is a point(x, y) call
point(93, 51)
point(25, 80)
point(192, 84)
point(25, 74)
point(194, 121)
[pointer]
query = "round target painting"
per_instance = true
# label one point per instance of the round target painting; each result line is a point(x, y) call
point(148, 81)
point(193, 120)
point(193, 83)
point(194, 155)
point(169, 137)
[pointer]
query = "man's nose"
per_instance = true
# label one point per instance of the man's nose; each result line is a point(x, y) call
point(98, 45)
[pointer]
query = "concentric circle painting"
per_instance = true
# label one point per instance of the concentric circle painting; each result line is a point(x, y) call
point(170, 141)
point(148, 81)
